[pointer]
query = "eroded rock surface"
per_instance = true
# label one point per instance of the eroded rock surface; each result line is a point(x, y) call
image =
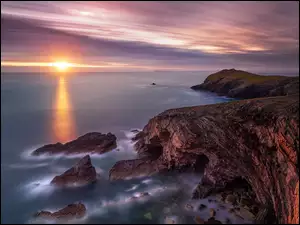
point(93, 142)
point(256, 140)
point(80, 174)
point(71, 211)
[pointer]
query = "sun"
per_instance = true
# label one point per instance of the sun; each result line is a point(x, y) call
point(61, 66)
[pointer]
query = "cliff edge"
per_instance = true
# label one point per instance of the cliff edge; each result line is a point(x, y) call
point(256, 140)
point(242, 84)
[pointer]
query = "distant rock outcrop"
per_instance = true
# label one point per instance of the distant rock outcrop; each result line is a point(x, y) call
point(80, 174)
point(71, 211)
point(93, 142)
point(241, 84)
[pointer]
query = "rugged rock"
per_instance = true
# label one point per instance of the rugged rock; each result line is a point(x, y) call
point(127, 169)
point(241, 84)
point(71, 211)
point(212, 212)
point(255, 141)
point(201, 207)
point(93, 142)
point(80, 174)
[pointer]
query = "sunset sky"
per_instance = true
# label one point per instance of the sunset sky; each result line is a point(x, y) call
point(135, 36)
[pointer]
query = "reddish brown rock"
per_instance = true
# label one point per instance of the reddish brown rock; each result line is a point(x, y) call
point(127, 169)
point(254, 140)
point(71, 211)
point(81, 174)
point(93, 142)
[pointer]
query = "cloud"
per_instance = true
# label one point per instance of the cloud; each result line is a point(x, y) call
point(155, 34)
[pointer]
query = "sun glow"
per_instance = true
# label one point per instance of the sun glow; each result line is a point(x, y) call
point(61, 66)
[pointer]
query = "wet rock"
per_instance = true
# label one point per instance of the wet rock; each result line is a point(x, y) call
point(71, 211)
point(198, 220)
point(221, 206)
point(212, 220)
point(169, 220)
point(82, 173)
point(238, 216)
point(230, 199)
point(231, 210)
point(189, 206)
point(135, 131)
point(153, 84)
point(127, 169)
point(246, 214)
point(227, 221)
point(201, 207)
point(212, 212)
point(93, 142)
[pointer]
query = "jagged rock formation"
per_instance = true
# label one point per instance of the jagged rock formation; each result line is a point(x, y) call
point(255, 140)
point(71, 211)
point(93, 142)
point(241, 84)
point(80, 174)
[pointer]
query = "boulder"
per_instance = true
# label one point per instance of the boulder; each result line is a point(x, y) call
point(212, 212)
point(71, 211)
point(127, 169)
point(201, 207)
point(82, 173)
point(93, 142)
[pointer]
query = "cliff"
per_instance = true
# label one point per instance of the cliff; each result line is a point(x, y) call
point(254, 140)
point(241, 84)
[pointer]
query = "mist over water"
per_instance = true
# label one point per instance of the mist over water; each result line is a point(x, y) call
point(42, 108)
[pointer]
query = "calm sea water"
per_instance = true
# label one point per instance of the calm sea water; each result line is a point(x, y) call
point(38, 109)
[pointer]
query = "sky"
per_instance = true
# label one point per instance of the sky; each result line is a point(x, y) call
point(146, 36)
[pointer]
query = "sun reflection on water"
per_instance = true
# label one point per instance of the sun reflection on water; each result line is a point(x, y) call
point(63, 125)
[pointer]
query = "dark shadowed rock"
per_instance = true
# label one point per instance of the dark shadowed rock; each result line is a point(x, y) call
point(153, 84)
point(212, 220)
point(71, 211)
point(81, 174)
point(242, 84)
point(93, 142)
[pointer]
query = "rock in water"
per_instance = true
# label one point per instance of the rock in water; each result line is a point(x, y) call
point(93, 142)
point(80, 174)
point(153, 84)
point(71, 211)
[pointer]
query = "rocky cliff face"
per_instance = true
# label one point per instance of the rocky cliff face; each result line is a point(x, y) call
point(241, 84)
point(256, 140)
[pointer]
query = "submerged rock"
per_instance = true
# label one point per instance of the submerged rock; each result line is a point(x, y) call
point(71, 211)
point(80, 174)
point(93, 142)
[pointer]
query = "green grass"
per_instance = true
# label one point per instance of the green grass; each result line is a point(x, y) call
point(243, 75)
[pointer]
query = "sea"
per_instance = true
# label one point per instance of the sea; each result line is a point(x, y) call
point(44, 108)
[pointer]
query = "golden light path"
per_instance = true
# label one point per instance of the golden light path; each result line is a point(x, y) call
point(63, 124)
point(61, 65)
